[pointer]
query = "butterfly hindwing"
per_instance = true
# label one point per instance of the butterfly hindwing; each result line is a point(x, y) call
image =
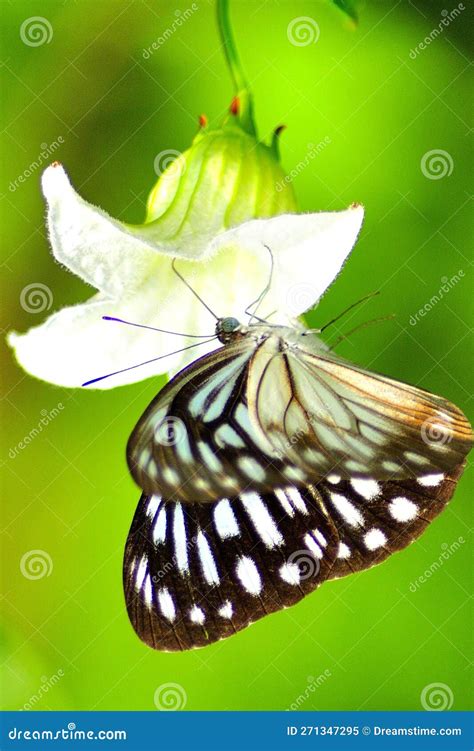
point(201, 572)
point(197, 573)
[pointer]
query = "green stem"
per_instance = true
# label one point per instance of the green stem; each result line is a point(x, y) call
point(241, 87)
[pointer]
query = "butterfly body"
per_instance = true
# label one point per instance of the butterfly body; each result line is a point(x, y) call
point(269, 466)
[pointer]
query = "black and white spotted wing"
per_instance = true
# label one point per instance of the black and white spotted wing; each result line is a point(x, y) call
point(197, 573)
point(272, 408)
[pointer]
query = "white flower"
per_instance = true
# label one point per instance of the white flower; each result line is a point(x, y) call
point(131, 269)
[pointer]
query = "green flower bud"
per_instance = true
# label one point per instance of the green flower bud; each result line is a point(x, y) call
point(225, 178)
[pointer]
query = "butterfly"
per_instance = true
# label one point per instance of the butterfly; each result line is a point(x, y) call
point(268, 467)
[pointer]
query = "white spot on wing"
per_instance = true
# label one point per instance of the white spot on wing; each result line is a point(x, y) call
point(374, 539)
point(430, 481)
point(251, 468)
point(290, 573)
point(159, 530)
point(225, 521)
point(179, 534)
point(313, 546)
point(350, 513)
point(197, 615)
point(226, 610)
point(225, 435)
point(209, 457)
point(333, 479)
point(152, 507)
point(208, 564)
point(280, 495)
point(248, 575)
point(320, 537)
point(402, 509)
point(170, 476)
point(148, 592)
point(141, 571)
point(296, 499)
point(368, 489)
point(294, 474)
point(166, 604)
point(261, 519)
point(343, 551)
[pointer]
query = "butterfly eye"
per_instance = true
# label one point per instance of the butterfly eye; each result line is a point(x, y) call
point(225, 327)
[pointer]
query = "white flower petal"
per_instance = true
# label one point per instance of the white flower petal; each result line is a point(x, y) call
point(308, 252)
point(96, 247)
point(76, 345)
point(137, 283)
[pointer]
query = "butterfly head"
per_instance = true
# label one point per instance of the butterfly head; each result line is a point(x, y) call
point(228, 329)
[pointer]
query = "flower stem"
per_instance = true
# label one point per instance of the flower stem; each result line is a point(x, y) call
point(241, 87)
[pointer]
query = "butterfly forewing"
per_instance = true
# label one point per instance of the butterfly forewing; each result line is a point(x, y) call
point(197, 573)
point(274, 408)
point(326, 415)
point(196, 439)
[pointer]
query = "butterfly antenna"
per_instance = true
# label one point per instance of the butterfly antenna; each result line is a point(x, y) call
point(262, 293)
point(354, 305)
point(361, 326)
point(152, 328)
point(173, 265)
point(146, 362)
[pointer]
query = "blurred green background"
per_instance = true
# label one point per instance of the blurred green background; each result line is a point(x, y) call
point(377, 640)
